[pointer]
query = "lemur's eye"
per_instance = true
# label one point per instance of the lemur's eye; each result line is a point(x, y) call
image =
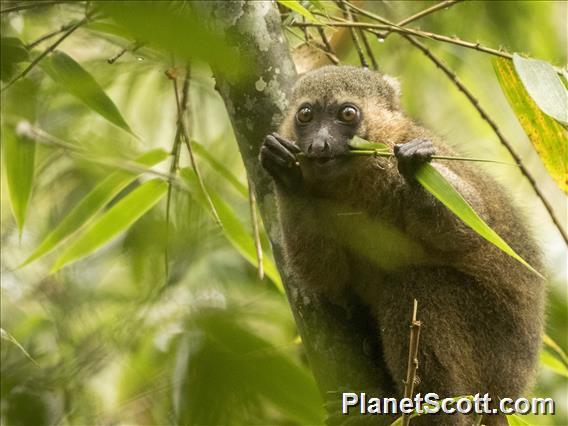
point(305, 114)
point(348, 114)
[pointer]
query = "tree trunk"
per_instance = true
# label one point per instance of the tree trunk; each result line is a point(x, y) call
point(336, 338)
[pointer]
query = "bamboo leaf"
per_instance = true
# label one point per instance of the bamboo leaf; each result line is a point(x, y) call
point(12, 52)
point(297, 7)
point(554, 347)
point(549, 138)
point(114, 221)
point(551, 362)
point(19, 161)
point(439, 187)
point(544, 86)
point(219, 167)
point(359, 143)
point(233, 228)
point(93, 202)
point(77, 81)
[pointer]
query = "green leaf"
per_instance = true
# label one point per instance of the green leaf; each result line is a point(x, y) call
point(19, 161)
point(12, 52)
point(439, 187)
point(93, 202)
point(233, 368)
point(551, 362)
point(178, 28)
point(297, 7)
point(554, 347)
point(549, 138)
point(516, 420)
point(358, 143)
point(114, 221)
point(77, 81)
point(544, 86)
point(233, 228)
point(220, 168)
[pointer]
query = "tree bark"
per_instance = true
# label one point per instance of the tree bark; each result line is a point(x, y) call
point(336, 338)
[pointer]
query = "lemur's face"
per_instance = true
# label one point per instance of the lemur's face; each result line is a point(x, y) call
point(324, 129)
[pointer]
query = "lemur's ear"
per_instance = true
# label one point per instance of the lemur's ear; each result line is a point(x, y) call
point(394, 84)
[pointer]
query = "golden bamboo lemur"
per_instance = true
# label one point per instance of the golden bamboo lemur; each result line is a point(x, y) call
point(363, 225)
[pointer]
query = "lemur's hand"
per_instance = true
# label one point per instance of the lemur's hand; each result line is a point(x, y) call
point(278, 157)
point(412, 155)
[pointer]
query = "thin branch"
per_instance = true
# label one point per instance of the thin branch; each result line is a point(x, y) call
point(412, 365)
point(187, 141)
point(174, 167)
point(321, 47)
point(131, 48)
point(376, 29)
point(29, 5)
point(47, 51)
point(255, 230)
point(368, 49)
point(354, 36)
point(421, 14)
point(485, 116)
point(328, 48)
point(50, 35)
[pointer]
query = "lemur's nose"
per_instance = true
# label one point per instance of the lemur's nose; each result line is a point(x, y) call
point(320, 144)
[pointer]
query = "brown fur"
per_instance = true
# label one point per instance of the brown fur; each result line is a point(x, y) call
point(369, 232)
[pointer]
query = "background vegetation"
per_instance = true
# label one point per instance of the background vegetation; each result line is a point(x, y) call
point(166, 321)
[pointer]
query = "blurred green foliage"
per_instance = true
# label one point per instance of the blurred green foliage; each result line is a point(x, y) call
point(116, 341)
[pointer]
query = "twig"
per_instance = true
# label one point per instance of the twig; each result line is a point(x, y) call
point(132, 48)
point(28, 5)
point(316, 45)
point(418, 33)
point(412, 365)
point(485, 116)
point(255, 230)
point(174, 166)
point(187, 141)
point(47, 51)
point(354, 36)
point(328, 48)
point(50, 35)
point(421, 14)
point(368, 49)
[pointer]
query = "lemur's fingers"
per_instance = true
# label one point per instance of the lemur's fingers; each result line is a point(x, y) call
point(292, 147)
point(278, 149)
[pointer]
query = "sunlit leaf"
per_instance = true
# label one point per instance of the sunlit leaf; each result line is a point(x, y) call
point(114, 221)
point(358, 143)
point(544, 86)
point(93, 202)
point(233, 367)
point(175, 27)
point(233, 228)
point(549, 138)
point(439, 187)
point(219, 168)
point(551, 362)
point(12, 52)
point(77, 81)
point(516, 420)
point(554, 347)
point(19, 161)
point(297, 7)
